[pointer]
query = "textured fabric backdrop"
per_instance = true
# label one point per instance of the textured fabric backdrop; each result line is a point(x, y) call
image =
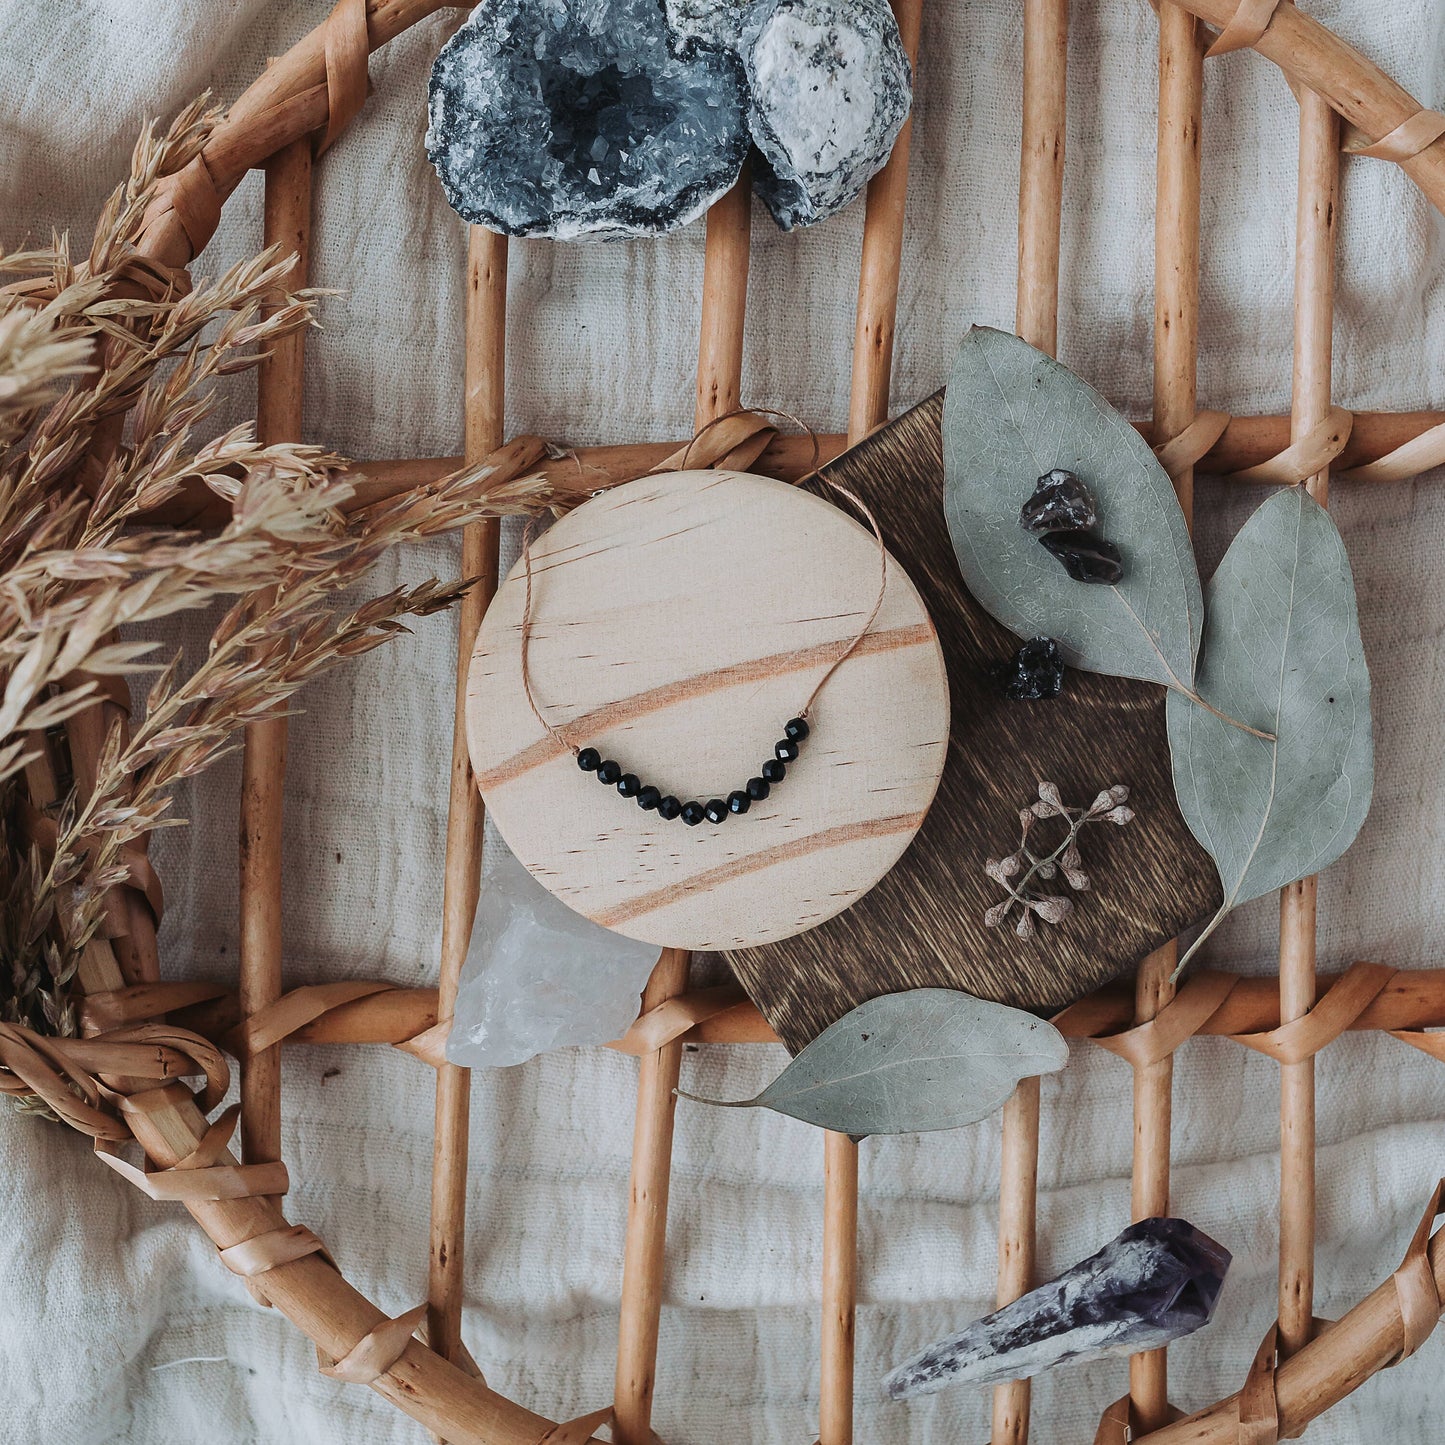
point(120, 1325)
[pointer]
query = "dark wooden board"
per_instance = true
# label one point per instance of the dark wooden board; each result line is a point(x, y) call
point(922, 925)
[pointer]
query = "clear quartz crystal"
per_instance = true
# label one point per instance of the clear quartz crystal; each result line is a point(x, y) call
point(538, 976)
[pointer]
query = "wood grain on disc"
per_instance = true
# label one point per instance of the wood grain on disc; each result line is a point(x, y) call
point(922, 926)
point(678, 622)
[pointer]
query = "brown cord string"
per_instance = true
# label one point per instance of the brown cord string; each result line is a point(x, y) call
point(560, 738)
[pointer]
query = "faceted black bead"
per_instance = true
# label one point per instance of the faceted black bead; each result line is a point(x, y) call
point(667, 808)
point(693, 814)
point(629, 785)
point(785, 750)
point(717, 811)
point(739, 802)
point(1060, 503)
point(649, 798)
point(1035, 671)
point(1086, 558)
point(773, 771)
point(609, 772)
point(758, 789)
point(797, 729)
point(589, 760)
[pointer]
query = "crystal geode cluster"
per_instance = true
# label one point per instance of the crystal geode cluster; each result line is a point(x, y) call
point(570, 118)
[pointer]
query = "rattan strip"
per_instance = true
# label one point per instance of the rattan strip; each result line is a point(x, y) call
point(1368, 997)
point(1381, 447)
point(1312, 412)
point(1246, 26)
point(377, 1351)
point(483, 412)
point(1210, 1003)
point(1176, 330)
point(1408, 138)
point(1041, 177)
point(346, 49)
point(286, 224)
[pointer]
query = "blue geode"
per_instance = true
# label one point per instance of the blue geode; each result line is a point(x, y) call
point(570, 118)
point(829, 89)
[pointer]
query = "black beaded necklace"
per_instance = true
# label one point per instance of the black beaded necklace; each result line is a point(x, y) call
point(786, 750)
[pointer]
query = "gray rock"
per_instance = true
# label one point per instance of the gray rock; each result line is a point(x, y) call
point(538, 976)
point(1157, 1281)
point(571, 118)
point(830, 88)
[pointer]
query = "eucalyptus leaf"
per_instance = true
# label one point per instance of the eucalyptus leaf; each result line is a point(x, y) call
point(1281, 650)
point(1011, 414)
point(931, 1058)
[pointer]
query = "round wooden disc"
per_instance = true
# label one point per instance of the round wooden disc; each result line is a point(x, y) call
point(677, 623)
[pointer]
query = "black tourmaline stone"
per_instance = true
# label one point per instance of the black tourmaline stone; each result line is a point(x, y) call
point(589, 760)
point(668, 808)
point(629, 785)
point(582, 118)
point(786, 750)
point(609, 772)
point(693, 814)
point(649, 797)
point(773, 771)
point(1060, 503)
point(758, 789)
point(1035, 671)
point(739, 802)
point(717, 811)
point(1086, 558)
point(797, 729)
point(829, 89)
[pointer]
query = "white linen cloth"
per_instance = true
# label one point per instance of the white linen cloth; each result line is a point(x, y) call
point(120, 1325)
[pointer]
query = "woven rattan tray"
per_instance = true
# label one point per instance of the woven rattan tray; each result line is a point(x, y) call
point(1301, 1370)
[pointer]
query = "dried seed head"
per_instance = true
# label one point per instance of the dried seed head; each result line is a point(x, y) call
point(1053, 909)
point(1050, 802)
point(1107, 807)
point(1002, 869)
